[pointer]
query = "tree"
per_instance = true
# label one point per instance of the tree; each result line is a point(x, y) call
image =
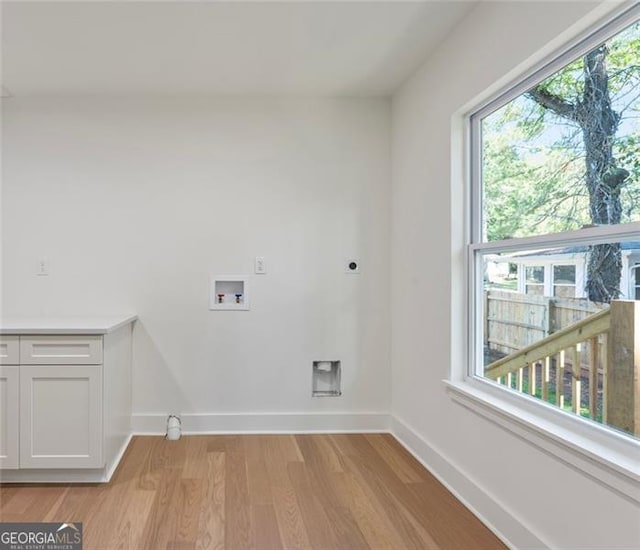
point(567, 154)
point(591, 110)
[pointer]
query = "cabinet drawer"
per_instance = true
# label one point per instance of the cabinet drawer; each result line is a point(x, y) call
point(9, 350)
point(61, 350)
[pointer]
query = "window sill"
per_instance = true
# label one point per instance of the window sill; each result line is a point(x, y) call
point(610, 458)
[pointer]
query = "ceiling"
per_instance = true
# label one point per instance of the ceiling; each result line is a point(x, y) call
point(302, 48)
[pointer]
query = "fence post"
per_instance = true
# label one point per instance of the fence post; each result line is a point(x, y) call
point(551, 315)
point(623, 383)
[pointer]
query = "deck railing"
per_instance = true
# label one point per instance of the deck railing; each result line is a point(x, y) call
point(553, 370)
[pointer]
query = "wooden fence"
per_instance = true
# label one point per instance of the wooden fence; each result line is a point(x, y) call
point(514, 321)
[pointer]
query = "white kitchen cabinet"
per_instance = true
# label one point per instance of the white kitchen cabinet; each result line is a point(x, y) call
point(65, 401)
point(9, 350)
point(61, 416)
point(61, 350)
point(9, 417)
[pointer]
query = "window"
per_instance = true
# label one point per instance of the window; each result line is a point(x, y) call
point(556, 280)
point(535, 280)
point(556, 191)
point(564, 281)
point(636, 282)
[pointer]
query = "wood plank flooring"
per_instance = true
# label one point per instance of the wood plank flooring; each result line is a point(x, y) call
point(263, 492)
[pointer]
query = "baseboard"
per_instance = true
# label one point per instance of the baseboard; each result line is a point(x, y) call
point(507, 527)
point(116, 461)
point(225, 423)
point(77, 475)
point(50, 475)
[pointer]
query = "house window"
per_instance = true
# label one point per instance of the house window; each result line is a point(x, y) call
point(535, 280)
point(554, 170)
point(564, 281)
point(636, 281)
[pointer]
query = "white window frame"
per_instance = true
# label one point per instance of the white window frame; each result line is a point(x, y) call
point(607, 456)
point(552, 278)
point(549, 283)
point(543, 284)
point(633, 282)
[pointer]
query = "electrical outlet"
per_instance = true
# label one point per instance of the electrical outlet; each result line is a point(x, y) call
point(352, 266)
point(42, 267)
point(261, 266)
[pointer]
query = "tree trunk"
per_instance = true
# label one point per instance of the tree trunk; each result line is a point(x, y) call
point(604, 267)
point(599, 123)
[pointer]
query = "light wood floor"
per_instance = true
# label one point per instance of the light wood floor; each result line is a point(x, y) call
point(323, 492)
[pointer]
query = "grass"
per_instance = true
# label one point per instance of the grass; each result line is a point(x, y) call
point(585, 411)
point(505, 284)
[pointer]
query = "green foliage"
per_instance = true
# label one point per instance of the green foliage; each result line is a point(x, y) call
point(627, 152)
point(534, 159)
point(566, 83)
point(531, 185)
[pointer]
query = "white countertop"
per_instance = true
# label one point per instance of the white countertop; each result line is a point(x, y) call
point(64, 325)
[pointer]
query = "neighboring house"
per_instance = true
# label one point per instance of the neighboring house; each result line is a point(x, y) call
point(562, 272)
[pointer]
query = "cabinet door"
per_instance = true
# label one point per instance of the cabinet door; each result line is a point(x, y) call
point(61, 416)
point(9, 415)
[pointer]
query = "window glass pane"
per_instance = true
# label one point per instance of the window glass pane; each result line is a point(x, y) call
point(564, 281)
point(564, 291)
point(563, 349)
point(564, 274)
point(535, 274)
point(566, 153)
point(535, 280)
point(536, 290)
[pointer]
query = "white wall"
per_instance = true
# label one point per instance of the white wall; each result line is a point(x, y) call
point(529, 496)
point(135, 202)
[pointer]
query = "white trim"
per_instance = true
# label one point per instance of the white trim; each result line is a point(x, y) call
point(54, 475)
point(247, 423)
point(631, 280)
point(593, 235)
point(480, 502)
point(605, 456)
point(475, 224)
point(116, 461)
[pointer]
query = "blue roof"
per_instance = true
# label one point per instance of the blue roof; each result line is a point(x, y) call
point(629, 245)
